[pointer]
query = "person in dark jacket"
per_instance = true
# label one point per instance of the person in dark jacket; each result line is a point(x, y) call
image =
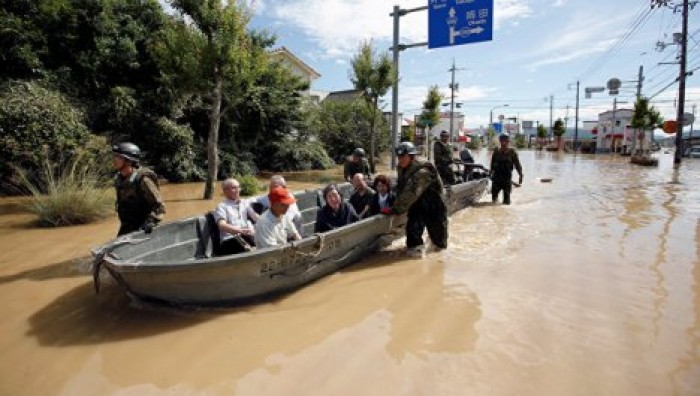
point(356, 163)
point(335, 213)
point(442, 154)
point(503, 160)
point(384, 197)
point(362, 196)
point(139, 204)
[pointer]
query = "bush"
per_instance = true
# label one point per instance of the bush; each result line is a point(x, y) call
point(37, 125)
point(296, 156)
point(249, 184)
point(74, 192)
point(236, 163)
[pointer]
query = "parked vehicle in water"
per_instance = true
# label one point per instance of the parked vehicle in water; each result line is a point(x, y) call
point(694, 152)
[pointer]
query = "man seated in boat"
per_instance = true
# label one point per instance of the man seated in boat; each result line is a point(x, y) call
point(273, 227)
point(234, 216)
point(363, 195)
point(263, 202)
point(335, 213)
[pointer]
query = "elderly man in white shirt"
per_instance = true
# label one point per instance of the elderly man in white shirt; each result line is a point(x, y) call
point(293, 213)
point(234, 216)
point(273, 227)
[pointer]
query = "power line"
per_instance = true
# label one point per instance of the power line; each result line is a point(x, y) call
point(639, 21)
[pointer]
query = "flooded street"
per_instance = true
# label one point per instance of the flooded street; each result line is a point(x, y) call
point(588, 285)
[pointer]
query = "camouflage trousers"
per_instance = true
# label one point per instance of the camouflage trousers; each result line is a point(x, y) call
point(428, 212)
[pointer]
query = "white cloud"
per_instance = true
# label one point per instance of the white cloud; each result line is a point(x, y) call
point(559, 3)
point(412, 96)
point(339, 26)
point(582, 36)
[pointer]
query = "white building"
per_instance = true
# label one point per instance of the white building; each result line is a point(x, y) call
point(298, 67)
point(612, 127)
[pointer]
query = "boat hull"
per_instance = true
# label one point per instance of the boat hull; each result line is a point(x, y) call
point(172, 263)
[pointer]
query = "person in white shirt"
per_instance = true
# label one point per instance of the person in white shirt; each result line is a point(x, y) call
point(293, 213)
point(234, 216)
point(274, 228)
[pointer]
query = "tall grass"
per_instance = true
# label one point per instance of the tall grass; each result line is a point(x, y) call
point(73, 192)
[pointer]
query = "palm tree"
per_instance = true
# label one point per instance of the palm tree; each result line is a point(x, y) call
point(373, 74)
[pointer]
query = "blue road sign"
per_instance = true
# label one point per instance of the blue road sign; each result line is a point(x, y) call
point(455, 22)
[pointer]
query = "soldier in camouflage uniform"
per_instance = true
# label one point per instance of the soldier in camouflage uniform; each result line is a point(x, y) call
point(503, 160)
point(442, 152)
point(420, 193)
point(139, 204)
point(356, 163)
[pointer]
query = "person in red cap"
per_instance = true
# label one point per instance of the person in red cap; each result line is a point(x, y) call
point(274, 228)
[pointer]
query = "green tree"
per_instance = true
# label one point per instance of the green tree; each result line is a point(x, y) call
point(558, 130)
point(210, 56)
point(343, 126)
point(644, 117)
point(373, 74)
point(431, 112)
point(541, 135)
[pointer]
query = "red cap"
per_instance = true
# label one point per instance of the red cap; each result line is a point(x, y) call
point(281, 195)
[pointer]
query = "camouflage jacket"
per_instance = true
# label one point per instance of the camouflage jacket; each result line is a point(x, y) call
point(351, 168)
point(442, 154)
point(413, 181)
point(138, 198)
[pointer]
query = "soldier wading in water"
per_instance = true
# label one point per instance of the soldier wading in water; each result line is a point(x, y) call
point(420, 193)
point(139, 204)
point(503, 160)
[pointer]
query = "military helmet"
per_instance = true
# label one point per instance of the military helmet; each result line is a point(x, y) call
point(128, 151)
point(444, 132)
point(504, 136)
point(406, 148)
point(359, 152)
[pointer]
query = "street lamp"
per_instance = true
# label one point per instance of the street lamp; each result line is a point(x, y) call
point(491, 117)
point(491, 113)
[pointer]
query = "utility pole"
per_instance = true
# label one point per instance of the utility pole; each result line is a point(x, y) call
point(452, 98)
point(395, 89)
point(453, 87)
point(576, 124)
point(395, 49)
point(614, 121)
point(551, 110)
point(640, 79)
point(681, 87)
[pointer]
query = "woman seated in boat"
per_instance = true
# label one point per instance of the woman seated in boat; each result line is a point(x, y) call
point(384, 197)
point(335, 213)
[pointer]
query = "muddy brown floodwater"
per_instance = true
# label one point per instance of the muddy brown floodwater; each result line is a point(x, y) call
point(588, 285)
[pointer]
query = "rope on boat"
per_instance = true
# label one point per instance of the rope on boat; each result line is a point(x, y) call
point(295, 251)
point(107, 251)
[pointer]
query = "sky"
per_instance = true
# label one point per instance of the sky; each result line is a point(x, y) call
point(540, 48)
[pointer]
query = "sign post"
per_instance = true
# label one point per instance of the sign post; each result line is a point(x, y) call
point(456, 22)
point(450, 22)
